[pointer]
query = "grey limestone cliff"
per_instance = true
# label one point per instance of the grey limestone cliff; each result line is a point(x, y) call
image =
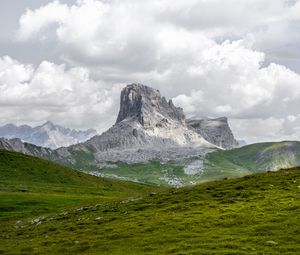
point(215, 131)
point(148, 127)
point(145, 105)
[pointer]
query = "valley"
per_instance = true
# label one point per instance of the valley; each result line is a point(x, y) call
point(150, 127)
point(154, 183)
point(153, 142)
point(219, 164)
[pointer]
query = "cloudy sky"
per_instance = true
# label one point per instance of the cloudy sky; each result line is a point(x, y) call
point(66, 61)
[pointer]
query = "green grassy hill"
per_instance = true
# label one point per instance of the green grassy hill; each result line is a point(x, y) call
point(233, 163)
point(256, 214)
point(258, 157)
point(31, 186)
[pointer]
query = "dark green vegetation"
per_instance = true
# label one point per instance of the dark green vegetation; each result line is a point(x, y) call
point(256, 214)
point(30, 186)
point(238, 162)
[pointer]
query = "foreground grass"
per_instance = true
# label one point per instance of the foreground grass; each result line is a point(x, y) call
point(257, 214)
point(30, 186)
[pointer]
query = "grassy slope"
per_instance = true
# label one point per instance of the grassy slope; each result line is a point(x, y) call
point(257, 157)
point(220, 164)
point(31, 186)
point(257, 214)
point(151, 173)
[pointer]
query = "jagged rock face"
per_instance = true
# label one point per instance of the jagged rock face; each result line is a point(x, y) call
point(148, 127)
point(145, 105)
point(46, 135)
point(216, 131)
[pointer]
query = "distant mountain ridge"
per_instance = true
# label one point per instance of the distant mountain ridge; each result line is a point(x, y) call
point(15, 144)
point(47, 135)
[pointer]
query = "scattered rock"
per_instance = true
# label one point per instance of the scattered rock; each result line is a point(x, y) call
point(86, 208)
point(23, 190)
point(271, 242)
point(131, 199)
point(37, 221)
point(195, 167)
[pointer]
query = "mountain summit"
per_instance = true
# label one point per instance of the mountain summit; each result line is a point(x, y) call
point(148, 127)
point(145, 104)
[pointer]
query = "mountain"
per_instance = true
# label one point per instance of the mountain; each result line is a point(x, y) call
point(152, 142)
point(15, 144)
point(46, 135)
point(148, 127)
point(216, 131)
point(218, 164)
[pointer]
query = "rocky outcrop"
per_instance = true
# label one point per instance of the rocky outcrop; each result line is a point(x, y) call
point(215, 131)
point(148, 127)
point(146, 106)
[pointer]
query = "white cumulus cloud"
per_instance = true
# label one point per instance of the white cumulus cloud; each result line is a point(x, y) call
point(53, 92)
point(213, 57)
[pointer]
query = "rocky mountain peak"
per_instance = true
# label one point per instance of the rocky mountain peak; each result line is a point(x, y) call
point(148, 127)
point(146, 106)
point(216, 131)
point(48, 125)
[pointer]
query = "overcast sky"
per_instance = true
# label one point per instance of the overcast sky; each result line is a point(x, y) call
point(66, 61)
